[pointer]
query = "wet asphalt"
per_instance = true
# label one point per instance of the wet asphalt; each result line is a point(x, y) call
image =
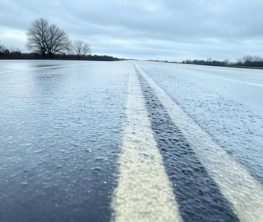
point(61, 133)
point(60, 137)
point(197, 195)
point(226, 103)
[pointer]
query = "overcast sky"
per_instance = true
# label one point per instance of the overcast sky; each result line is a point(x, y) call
point(163, 29)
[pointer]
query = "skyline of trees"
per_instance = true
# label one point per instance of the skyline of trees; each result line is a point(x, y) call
point(17, 54)
point(81, 51)
point(246, 61)
point(5, 51)
point(47, 40)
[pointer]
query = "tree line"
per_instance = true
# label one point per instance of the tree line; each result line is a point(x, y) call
point(5, 51)
point(246, 61)
point(45, 40)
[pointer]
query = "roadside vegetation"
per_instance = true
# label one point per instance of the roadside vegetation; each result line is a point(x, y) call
point(246, 61)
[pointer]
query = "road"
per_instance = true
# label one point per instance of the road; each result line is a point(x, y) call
point(130, 141)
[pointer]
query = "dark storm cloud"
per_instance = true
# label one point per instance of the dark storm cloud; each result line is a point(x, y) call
point(165, 29)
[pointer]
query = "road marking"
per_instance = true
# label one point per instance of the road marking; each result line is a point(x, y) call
point(236, 184)
point(37, 68)
point(143, 192)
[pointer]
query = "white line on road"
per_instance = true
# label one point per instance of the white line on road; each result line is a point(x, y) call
point(243, 192)
point(143, 192)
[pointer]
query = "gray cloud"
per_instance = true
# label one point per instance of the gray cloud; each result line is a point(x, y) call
point(165, 29)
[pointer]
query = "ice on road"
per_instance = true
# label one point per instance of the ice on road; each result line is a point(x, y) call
point(79, 139)
point(226, 102)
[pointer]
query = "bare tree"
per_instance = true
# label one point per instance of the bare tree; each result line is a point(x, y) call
point(81, 48)
point(47, 39)
point(57, 41)
point(37, 36)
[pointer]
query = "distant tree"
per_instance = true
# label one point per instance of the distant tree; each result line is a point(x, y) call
point(6, 52)
point(80, 48)
point(253, 61)
point(227, 62)
point(15, 52)
point(2, 49)
point(46, 39)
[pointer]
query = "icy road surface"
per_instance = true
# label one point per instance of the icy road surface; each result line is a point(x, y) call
point(130, 141)
point(227, 103)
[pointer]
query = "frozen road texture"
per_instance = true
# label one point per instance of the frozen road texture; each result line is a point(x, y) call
point(60, 136)
point(125, 141)
point(226, 103)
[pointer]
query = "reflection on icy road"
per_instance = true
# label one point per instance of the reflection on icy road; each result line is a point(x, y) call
point(60, 136)
point(101, 141)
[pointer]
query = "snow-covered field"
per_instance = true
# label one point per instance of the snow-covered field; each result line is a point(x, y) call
point(130, 141)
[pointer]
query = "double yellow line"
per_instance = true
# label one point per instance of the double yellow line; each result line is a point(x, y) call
point(143, 192)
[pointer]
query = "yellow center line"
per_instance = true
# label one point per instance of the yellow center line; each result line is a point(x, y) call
point(143, 192)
